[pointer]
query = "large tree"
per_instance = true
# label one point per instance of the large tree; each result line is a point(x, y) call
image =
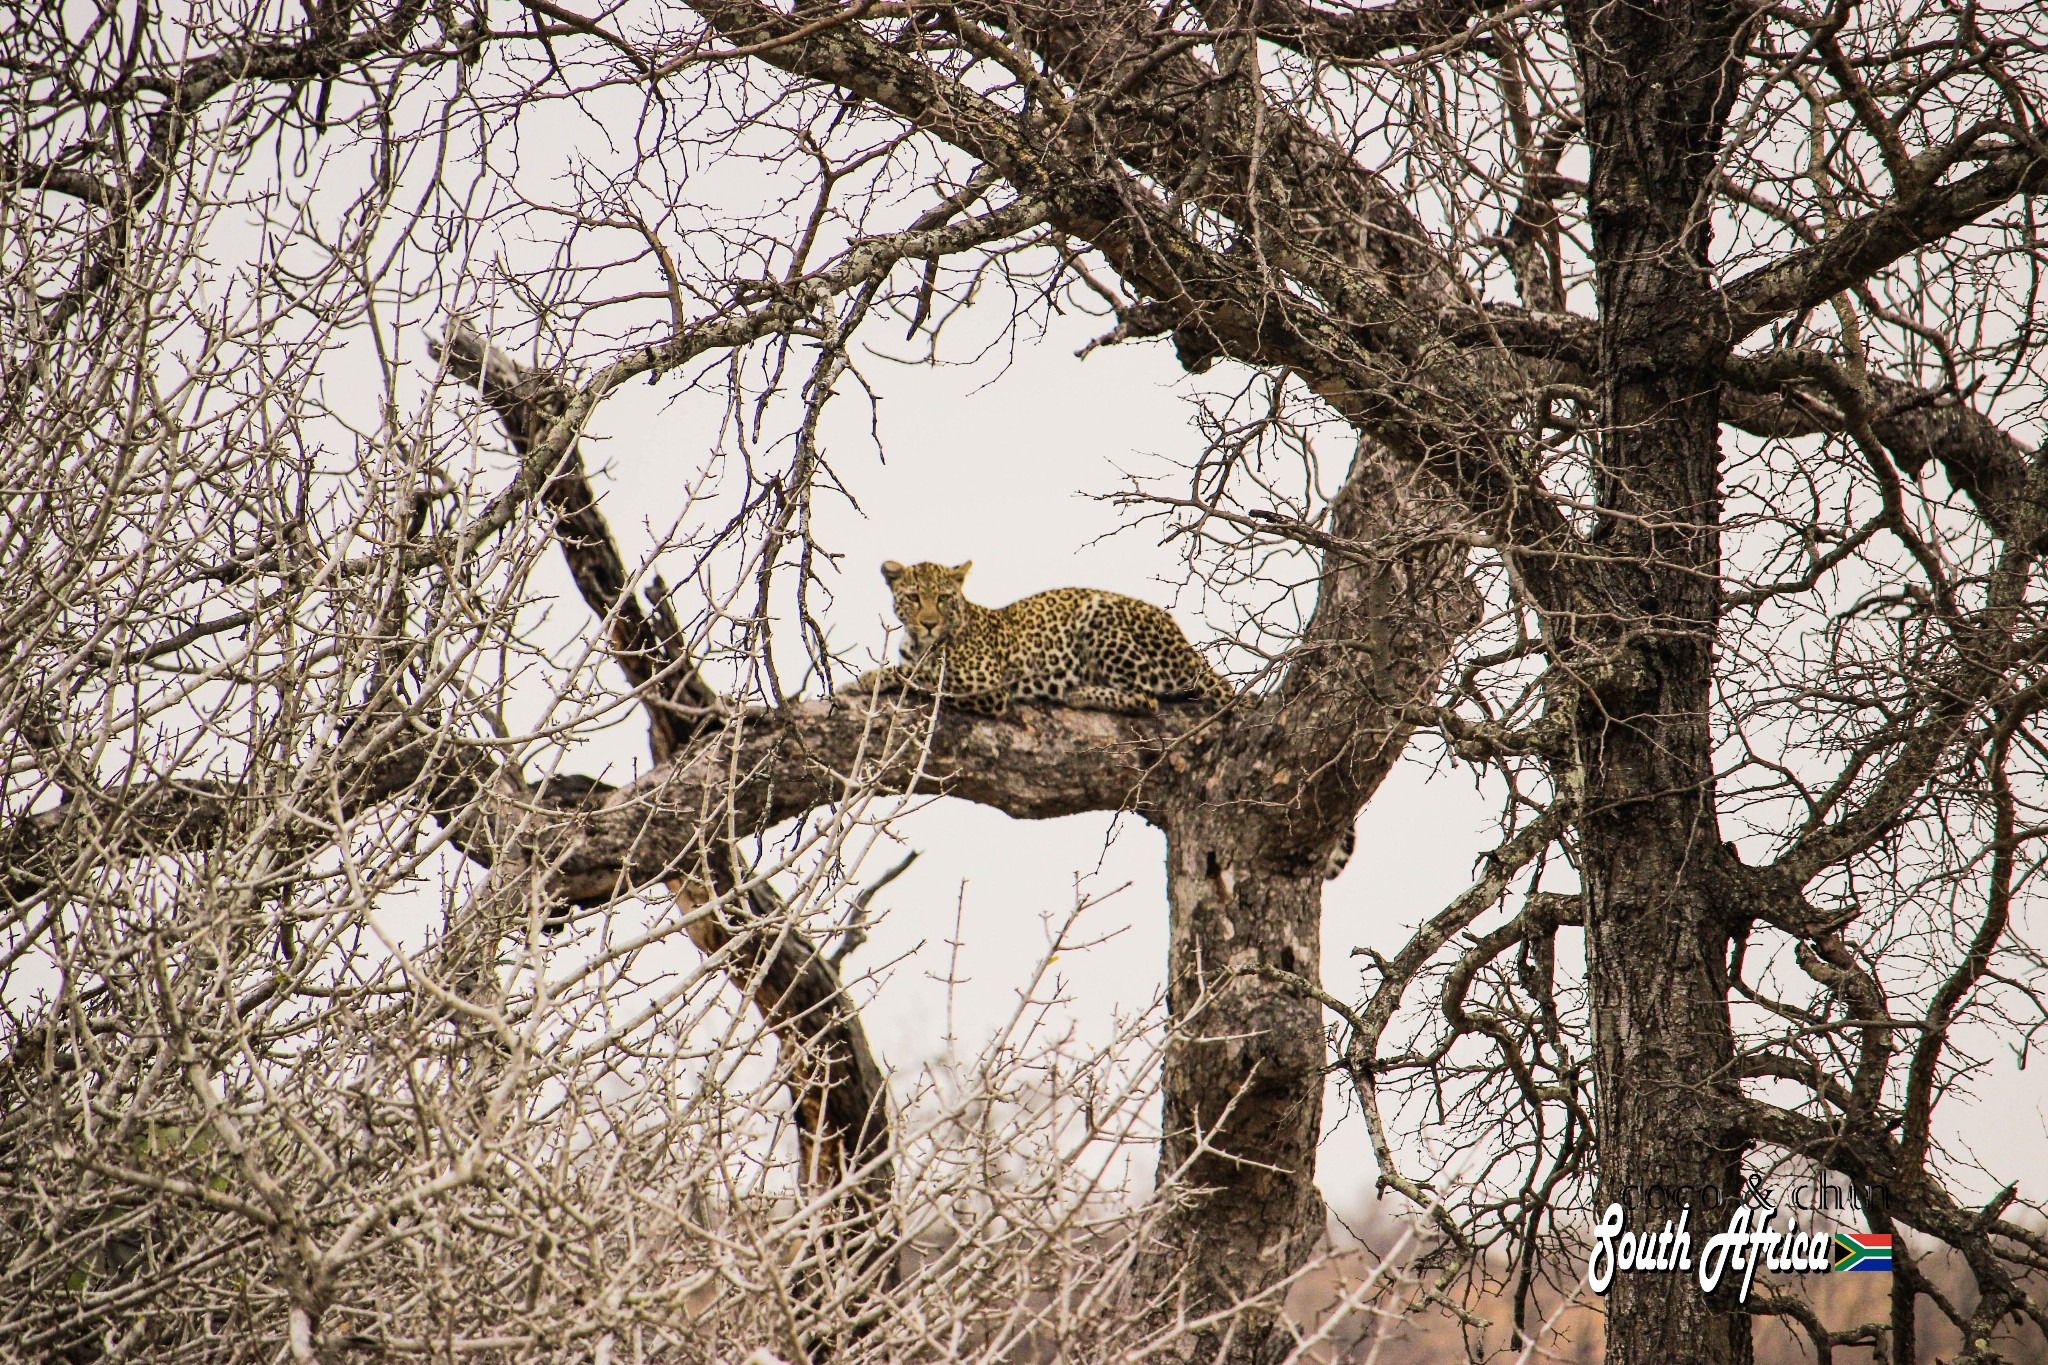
point(1681, 355)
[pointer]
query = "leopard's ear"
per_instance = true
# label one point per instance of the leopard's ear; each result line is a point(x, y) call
point(960, 571)
point(891, 570)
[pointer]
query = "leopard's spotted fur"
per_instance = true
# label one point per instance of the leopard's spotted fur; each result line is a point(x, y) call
point(1081, 646)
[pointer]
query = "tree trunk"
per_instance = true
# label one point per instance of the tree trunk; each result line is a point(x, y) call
point(1243, 1076)
point(1250, 819)
point(1657, 947)
point(1658, 85)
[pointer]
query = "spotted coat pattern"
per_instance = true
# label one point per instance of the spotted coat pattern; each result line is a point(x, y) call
point(1083, 647)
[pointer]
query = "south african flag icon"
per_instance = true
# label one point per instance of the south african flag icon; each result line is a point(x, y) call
point(1863, 1251)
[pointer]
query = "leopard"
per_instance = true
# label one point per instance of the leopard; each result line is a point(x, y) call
point(1081, 647)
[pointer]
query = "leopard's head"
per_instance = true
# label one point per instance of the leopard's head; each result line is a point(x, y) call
point(929, 601)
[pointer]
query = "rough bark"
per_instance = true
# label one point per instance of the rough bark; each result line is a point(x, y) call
point(1254, 808)
point(1243, 1078)
point(1658, 82)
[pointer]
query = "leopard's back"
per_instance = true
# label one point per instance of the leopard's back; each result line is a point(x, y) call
point(1082, 647)
point(1090, 647)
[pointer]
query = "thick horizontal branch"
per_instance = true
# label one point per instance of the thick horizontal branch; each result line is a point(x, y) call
point(1037, 763)
point(1567, 344)
point(764, 767)
point(1802, 392)
point(386, 757)
point(1361, 35)
point(1862, 247)
point(60, 180)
